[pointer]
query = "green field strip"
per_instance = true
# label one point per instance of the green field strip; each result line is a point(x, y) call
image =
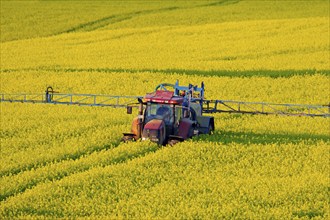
point(310, 89)
point(206, 73)
point(220, 3)
point(15, 184)
point(94, 25)
point(241, 137)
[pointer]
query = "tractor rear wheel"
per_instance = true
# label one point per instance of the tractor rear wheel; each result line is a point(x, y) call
point(211, 129)
point(173, 142)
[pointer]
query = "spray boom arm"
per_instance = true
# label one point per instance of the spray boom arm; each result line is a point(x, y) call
point(194, 93)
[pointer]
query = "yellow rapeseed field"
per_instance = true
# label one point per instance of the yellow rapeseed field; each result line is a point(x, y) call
point(69, 161)
point(60, 161)
point(238, 46)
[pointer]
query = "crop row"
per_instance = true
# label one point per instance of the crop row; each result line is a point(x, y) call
point(25, 170)
point(54, 133)
point(139, 14)
point(282, 44)
point(191, 180)
point(15, 184)
point(34, 135)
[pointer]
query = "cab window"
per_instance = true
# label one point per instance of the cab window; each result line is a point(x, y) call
point(178, 114)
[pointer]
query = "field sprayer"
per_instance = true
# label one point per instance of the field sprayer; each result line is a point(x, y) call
point(170, 116)
point(171, 113)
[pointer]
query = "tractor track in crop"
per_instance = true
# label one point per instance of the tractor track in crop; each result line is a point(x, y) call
point(121, 158)
point(68, 156)
point(105, 21)
point(220, 3)
point(113, 19)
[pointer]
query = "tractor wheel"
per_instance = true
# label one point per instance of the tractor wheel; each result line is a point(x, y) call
point(127, 139)
point(173, 142)
point(163, 138)
point(191, 132)
point(211, 129)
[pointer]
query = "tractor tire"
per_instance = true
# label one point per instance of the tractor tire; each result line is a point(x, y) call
point(211, 129)
point(164, 138)
point(127, 139)
point(191, 132)
point(173, 142)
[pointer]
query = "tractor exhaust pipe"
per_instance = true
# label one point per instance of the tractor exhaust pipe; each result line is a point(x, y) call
point(140, 117)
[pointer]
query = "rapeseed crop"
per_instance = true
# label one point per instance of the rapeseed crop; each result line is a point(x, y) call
point(68, 161)
point(265, 166)
point(299, 44)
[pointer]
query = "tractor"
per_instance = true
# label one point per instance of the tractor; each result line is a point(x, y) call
point(170, 114)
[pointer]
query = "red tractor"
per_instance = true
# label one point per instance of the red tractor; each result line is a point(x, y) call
point(168, 117)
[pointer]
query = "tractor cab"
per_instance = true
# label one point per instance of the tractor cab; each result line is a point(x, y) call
point(159, 111)
point(161, 115)
point(162, 104)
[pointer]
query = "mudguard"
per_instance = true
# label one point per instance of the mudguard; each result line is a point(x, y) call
point(155, 131)
point(135, 129)
point(206, 124)
point(185, 128)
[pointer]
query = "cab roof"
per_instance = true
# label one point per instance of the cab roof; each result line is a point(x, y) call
point(160, 96)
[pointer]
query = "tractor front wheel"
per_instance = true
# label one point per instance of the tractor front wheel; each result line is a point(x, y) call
point(127, 139)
